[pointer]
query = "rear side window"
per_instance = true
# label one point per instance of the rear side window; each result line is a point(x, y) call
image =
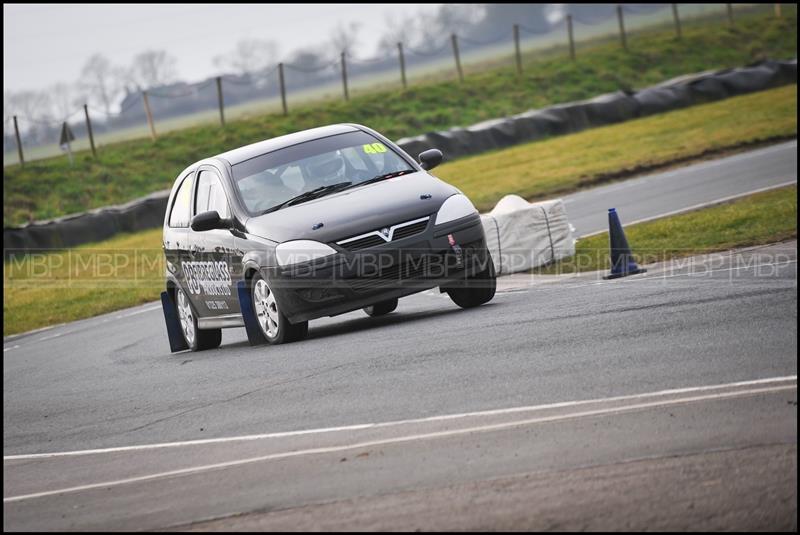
point(210, 195)
point(179, 216)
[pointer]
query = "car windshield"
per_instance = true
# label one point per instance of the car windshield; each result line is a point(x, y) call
point(284, 177)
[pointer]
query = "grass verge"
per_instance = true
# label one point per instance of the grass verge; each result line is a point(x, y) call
point(567, 163)
point(51, 187)
point(47, 288)
point(757, 219)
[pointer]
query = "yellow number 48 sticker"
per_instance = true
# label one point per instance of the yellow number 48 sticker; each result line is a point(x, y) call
point(374, 148)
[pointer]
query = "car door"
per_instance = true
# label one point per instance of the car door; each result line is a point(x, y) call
point(220, 262)
point(178, 238)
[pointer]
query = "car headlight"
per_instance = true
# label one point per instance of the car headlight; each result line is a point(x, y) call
point(296, 251)
point(453, 208)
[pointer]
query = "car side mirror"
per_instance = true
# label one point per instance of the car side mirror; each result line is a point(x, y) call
point(208, 221)
point(430, 158)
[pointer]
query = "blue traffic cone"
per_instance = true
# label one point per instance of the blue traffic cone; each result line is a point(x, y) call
point(622, 262)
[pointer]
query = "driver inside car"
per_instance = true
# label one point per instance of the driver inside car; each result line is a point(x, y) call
point(268, 189)
point(324, 170)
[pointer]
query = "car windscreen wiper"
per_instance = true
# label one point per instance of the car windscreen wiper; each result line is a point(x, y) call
point(382, 177)
point(309, 195)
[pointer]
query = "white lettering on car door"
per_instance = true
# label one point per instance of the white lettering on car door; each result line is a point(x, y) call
point(209, 278)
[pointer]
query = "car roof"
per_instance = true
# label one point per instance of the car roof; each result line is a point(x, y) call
point(256, 149)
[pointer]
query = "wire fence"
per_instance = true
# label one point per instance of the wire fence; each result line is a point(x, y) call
point(436, 50)
point(367, 61)
point(485, 42)
point(275, 81)
point(311, 69)
point(532, 31)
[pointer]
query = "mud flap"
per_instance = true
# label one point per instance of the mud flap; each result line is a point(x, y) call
point(176, 340)
point(254, 335)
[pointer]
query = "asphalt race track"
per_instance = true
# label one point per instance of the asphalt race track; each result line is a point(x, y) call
point(660, 401)
point(686, 187)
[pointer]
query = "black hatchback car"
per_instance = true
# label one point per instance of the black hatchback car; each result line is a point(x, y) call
point(312, 224)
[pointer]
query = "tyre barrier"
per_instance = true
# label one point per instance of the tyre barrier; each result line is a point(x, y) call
point(86, 227)
point(148, 212)
point(619, 106)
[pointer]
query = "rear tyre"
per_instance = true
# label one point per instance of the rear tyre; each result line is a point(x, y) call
point(196, 339)
point(274, 326)
point(476, 290)
point(382, 308)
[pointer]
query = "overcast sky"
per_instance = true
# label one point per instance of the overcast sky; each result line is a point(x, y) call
point(48, 43)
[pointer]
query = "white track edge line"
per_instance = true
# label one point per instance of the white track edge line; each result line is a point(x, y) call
point(446, 417)
point(397, 440)
point(696, 207)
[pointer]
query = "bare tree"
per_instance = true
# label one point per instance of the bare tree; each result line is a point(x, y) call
point(457, 18)
point(100, 80)
point(8, 111)
point(308, 66)
point(152, 68)
point(79, 97)
point(250, 56)
point(398, 30)
point(8, 127)
point(344, 37)
point(435, 32)
point(62, 97)
point(33, 107)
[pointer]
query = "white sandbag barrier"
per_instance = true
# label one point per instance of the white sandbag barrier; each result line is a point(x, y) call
point(523, 235)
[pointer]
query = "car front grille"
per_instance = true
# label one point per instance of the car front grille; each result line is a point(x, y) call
point(376, 238)
point(395, 275)
point(364, 243)
point(410, 230)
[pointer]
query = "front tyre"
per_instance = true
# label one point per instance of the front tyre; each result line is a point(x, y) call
point(196, 339)
point(382, 308)
point(476, 290)
point(274, 326)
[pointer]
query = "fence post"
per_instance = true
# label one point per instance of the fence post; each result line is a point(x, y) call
point(283, 88)
point(778, 10)
point(149, 115)
point(19, 143)
point(571, 40)
point(344, 77)
point(677, 20)
point(402, 64)
point(221, 102)
point(621, 27)
point(730, 14)
point(89, 130)
point(454, 39)
point(516, 49)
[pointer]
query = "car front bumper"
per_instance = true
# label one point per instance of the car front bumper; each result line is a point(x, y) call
point(441, 255)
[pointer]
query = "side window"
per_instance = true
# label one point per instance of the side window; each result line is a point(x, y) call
point(210, 195)
point(179, 217)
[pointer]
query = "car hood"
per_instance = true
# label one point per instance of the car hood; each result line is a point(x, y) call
point(355, 211)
